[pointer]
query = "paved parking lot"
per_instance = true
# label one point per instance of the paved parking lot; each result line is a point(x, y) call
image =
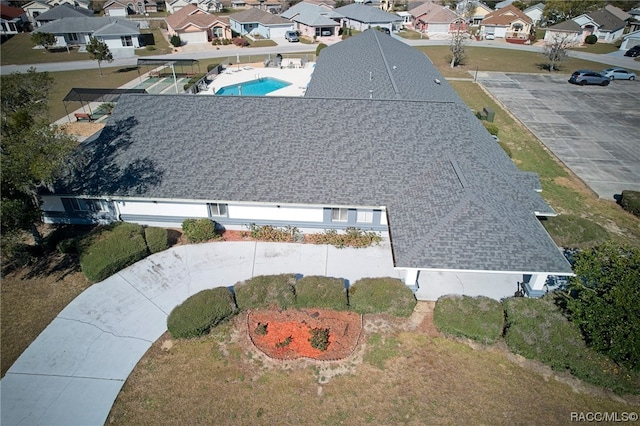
point(594, 130)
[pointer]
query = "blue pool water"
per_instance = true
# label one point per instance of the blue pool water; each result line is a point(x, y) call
point(253, 88)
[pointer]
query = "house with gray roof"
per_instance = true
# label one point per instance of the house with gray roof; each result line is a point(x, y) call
point(602, 23)
point(62, 11)
point(313, 20)
point(120, 35)
point(361, 17)
point(386, 156)
point(260, 22)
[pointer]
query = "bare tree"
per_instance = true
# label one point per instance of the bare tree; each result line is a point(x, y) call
point(555, 50)
point(459, 37)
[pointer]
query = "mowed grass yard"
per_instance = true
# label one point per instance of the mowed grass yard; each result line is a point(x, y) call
point(426, 380)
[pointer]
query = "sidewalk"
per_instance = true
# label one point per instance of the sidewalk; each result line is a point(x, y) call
point(72, 373)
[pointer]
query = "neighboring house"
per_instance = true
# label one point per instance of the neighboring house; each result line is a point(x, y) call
point(601, 23)
point(630, 40)
point(82, 4)
point(463, 218)
point(13, 20)
point(406, 17)
point(508, 22)
point(62, 11)
point(634, 20)
point(313, 20)
point(503, 3)
point(129, 7)
point(474, 11)
point(194, 25)
point(328, 3)
point(431, 18)
point(386, 5)
point(255, 21)
point(120, 35)
point(617, 12)
point(273, 6)
point(34, 9)
point(360, 17)
point(535, 13)
point(176, 5)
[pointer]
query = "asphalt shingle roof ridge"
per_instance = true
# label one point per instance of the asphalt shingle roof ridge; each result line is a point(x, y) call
point(386, 63)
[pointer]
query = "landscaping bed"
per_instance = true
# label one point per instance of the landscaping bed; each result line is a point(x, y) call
point(286, 334)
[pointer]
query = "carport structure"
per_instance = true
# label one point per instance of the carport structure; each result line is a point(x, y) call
point(87, 95)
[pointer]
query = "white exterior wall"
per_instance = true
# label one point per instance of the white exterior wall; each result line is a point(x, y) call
point(162, 208)
point(279, 31)
point(275, 213)
point(500, 32)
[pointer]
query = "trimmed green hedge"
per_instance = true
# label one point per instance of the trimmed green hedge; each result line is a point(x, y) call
point(536, 329)
point(200, 230)
point(479, 318)
point(199, 313)
point(382, 296)
point(157, 239)
point(266, 291)
point(321, 292)
point(630, 201)
point(110, 249)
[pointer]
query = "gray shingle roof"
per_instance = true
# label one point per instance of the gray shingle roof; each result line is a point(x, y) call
point(260, 16)
point(88, 25)
point(64, 11)
point(311, 14)
point(570, 26)
point(367, 14)
point(455, 201)
point(607, 20)
point(379, 63)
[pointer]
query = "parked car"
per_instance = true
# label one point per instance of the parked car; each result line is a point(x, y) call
point(619, 74)
point(633, 52)
point(583, 77)
point(384, 30)
point(489, 36)
point(291, 36)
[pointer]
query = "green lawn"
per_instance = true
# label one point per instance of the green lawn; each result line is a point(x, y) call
point(19, 51)
point(411, 35)
point(598, 48)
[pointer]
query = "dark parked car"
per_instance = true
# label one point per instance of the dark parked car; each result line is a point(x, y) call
point(633, 52)
point(583, 77)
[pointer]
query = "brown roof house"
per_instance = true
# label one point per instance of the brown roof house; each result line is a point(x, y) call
point(194, 25)
point(12, 19)
point(508, 22)
point(433, 19)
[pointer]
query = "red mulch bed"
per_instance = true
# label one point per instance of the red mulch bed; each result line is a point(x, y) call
point(344, 332)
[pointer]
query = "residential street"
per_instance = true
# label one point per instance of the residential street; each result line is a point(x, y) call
point(615, 58)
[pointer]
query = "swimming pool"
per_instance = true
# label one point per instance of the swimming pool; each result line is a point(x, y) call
point(258, 87)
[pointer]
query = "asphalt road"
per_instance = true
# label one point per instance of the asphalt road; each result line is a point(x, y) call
point(615, 59)
point(593, 130)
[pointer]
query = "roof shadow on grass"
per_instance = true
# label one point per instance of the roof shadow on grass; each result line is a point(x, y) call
point(103, 167)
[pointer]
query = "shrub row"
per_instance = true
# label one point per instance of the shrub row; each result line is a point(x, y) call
point(366, 296)
point(109, 249)
point(198, 314)
point(352, 237)
point(274, 233)
point(535, 329)
point(200, 230)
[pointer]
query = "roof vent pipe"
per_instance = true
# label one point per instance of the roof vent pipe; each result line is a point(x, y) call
point(370, 94)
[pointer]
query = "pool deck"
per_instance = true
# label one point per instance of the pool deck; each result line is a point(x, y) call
point(298, 77)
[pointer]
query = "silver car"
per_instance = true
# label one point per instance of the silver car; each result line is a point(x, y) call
point(619, 74)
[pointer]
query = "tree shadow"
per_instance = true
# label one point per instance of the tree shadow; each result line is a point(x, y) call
point(547, 67)
point(126, 69)
point(102, 168)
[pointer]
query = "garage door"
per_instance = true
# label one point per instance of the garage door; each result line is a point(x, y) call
point(500, 32)
point(438, 29)
point(194, 37)
point(276, 32)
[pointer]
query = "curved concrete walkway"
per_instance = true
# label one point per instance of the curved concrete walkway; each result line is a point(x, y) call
point(72, 373)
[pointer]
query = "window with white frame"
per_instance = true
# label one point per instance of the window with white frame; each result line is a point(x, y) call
point(339, 214)
point(364, 216)
point(217, 209)
point(126, 41)
point(85, 204)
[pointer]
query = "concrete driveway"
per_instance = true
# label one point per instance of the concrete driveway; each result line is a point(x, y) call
point(594, 130)
point(72, 373)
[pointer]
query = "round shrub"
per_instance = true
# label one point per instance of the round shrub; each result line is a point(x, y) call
point(175, 40)
point(199, 230)
point(321, 293)
point(491, 128)
point(67, 246)
point(199, 313)
point(157, 239)
point(630, 201)
point(266, 291)
point(382, 296)
point(319, 48)
point(591, 39)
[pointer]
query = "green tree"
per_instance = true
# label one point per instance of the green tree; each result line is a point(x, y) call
point(45, 40)
point(32, 151)
point(604, 300)
point(175, 40)
point(561, 10)
point(99, 51)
